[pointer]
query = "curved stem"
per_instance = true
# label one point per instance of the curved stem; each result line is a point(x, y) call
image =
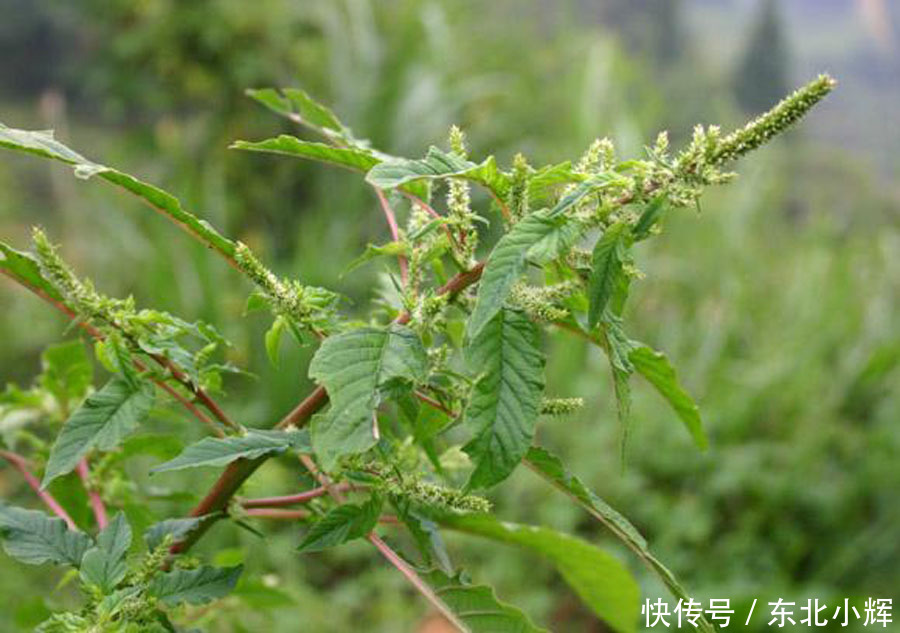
point(395, 231)
point(414, 579)
point(19, 463)
point(289, 500)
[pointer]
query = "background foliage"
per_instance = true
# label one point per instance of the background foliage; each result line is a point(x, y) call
point(777, 304)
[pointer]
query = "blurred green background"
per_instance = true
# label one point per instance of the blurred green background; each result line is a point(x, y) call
point(778, 302)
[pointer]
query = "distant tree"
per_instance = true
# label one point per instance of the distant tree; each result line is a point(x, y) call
point(762, 76)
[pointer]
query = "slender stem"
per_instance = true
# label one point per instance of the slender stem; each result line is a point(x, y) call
point(20, 464)
point(414, 579)
point(97, 506)
point(278, 513)
point(395, 230)
point(289, 500)
point(322, 478)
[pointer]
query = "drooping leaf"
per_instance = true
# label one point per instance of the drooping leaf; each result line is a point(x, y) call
point(104, 564)
point(179, 529)
point(33, 537)
point(194, 586)
point(656, 368)
point(273, 339)
point(600, 580)
point(355, 367)
point(476, 608)
point(350, 157)
point(505, 403)
point(607, 267)
point(438, 164)
point(551, 468)
point(216, 451)
point(102, 421)
point(42, 143)
point(424, 531)
point(343, 523)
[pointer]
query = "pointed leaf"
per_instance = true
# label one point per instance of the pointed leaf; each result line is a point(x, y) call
point(102, 421)
point(607, 269)
point(344, 523)
point(298, 106)
point(656, 368)
point(602, 582)
point(551, 468)
point(505, 403)
point(67, 371)
point(24, 268)
point(355, 367)
point(195, 586)
point(215, 451)
point(34, 538)
point(349, 157)
point(539, 237)
point(438, 164)
point(476, 608)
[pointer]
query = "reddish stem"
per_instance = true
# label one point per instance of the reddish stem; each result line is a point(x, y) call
point(289, 500)
point(19, 463)
point(395, 230)
point(97, 506)
point(278, 513)
point(415, 580)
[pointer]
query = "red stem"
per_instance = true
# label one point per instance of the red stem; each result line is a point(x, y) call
point(290, 500)
point(395, 230)
point(19, 463)
point(415, 580)
point(97, 506)
point(278, 513)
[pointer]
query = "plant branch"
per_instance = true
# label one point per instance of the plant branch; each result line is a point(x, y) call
point(289, 500)
point(19, 463)
point(395, 231)
point(414, 579)
point(97, 506)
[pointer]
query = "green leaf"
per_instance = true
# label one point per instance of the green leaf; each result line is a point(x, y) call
point(355, 367)
point(476, 608)
point(179, 529)
point(299, 107)
point(602, 582)
point(350, 157)
point(505, 403)
point(649, 218)
point(273, 339)
point(391, 249)
point(656, 368)
point(25, 269)
point(104, 565)
point(551, 468)
point(343, 523)
point(438, 164)
point(33, 537)
point(607, 269)
point(102, 421)
point(42, 143)
point(216, 451)
point(539, 237)
point(195, 586)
